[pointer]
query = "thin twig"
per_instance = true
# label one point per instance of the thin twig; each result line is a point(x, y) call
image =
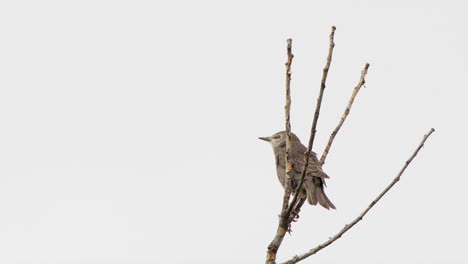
point(360, 217)
point(287, 110)
point(316, 116)
point(362, 81)
point(283, 222)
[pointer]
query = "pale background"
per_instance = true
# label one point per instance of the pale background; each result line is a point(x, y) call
point(128, 129)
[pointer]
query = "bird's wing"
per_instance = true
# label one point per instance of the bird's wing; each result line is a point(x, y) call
point(313, 169)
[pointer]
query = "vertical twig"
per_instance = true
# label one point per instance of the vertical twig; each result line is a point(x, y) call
point(361, 83)
point(361, 216)
point(316, 116)
point(283, 222)
point(287, 110)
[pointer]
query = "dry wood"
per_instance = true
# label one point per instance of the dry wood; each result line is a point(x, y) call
point(361, 83)
point(361, 216)
point(287, 110)
point(314, 122)
point(283, 221)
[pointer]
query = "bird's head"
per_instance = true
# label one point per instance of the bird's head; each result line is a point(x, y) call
point(279, 139)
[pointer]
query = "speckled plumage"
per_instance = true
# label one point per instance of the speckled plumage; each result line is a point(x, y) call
point(314, 181)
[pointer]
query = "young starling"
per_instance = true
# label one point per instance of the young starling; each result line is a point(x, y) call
point(314, 180)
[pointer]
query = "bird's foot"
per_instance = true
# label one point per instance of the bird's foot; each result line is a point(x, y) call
point(296, 217)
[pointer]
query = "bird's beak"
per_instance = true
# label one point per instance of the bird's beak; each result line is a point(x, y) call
point(265, 138)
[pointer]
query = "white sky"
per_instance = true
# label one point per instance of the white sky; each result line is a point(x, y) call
point(128, 129)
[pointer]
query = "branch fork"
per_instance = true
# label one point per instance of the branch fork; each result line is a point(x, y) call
point(290, 210)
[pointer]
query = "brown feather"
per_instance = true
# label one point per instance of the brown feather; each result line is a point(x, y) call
point(314, 181)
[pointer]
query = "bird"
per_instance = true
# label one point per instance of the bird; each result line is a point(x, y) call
point(314, 181)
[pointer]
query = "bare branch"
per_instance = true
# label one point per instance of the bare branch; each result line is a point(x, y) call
point(283, 222)
point(287, 110)
point(314, 122)
point(360, 217)
point(361, 83)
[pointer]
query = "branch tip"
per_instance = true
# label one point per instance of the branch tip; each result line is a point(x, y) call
point(347, 110)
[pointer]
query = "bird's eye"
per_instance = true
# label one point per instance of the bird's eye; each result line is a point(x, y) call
point(276, 137)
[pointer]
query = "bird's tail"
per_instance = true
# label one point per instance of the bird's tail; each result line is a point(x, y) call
point(316, 194)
